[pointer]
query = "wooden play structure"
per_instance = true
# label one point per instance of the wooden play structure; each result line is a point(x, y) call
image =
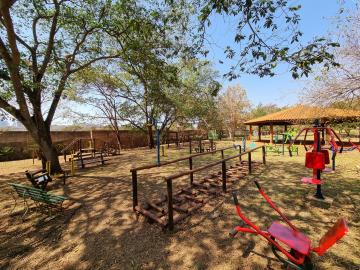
point(175, 206)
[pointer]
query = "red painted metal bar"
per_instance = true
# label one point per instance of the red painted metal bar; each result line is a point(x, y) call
point(273, 206)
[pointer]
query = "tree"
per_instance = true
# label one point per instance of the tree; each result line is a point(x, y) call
point(137, 97)
point(262, 110)
point(266, 35)
point(44, 43)
point(340, 85)
point(233, 106)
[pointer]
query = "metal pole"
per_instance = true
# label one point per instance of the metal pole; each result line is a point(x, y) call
point(317, 139)
point(158, 145)
point(170, 205)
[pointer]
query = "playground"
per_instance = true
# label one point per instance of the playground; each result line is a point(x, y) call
point(99, 229)
point(190, 134)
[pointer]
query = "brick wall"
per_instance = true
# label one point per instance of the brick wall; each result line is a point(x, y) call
point(22, 145)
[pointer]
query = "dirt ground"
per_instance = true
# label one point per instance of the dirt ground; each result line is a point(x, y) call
point(99, 230)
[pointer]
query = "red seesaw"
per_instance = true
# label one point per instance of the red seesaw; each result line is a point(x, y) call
point(296, 253)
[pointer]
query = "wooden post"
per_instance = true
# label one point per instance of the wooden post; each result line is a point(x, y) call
point(177, 139)
point(240, 153)
point(285, 128)
point(170, 205)
point(134, 187)
point(249, 161)
point(259, 134)
point(190, 146)
point(263, 154)
point(82, 161)
point(223, 170)
point(251, 132)
point(222, 154)
point(200, 146)
point(271, 134)
point(191, 167)
point(102, 158)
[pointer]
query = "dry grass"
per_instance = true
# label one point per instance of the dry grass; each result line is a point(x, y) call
point(104, 233)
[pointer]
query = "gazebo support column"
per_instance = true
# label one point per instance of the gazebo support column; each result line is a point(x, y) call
point(285, 128)
point(271, 134)
point(251, 132)
point(259, 134)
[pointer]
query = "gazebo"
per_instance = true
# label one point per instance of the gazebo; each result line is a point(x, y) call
point(302, 114)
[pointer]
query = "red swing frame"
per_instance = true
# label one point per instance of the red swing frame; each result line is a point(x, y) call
point(289, 235)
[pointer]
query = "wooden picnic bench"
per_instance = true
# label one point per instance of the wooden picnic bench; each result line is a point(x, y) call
point(83, 159)
point(39, 179)
point(41, 198)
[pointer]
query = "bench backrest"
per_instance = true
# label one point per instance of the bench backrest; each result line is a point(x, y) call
point(37, 194)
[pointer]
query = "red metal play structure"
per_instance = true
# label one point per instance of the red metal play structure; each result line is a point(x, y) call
point(294, 246)
point(318, 157)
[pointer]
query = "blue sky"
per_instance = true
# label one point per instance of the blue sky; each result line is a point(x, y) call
point(316, 20)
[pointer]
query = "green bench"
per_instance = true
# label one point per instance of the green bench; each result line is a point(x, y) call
point(41, 198)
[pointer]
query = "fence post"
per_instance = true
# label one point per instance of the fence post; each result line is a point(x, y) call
point(170, 205)
point(263, 154)
point(222, 154)
point(239, 152)
point(191, 167)
point(134, 187)
point(249, 161)
point(190, 146)
point(223, 169)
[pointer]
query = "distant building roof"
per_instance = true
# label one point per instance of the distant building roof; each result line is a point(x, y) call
point(304, 114)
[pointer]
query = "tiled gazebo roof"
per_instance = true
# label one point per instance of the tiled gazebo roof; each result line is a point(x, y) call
point(305, 114)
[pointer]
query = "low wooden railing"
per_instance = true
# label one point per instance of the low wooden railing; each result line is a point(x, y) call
point(190, 158)
point(191, 172)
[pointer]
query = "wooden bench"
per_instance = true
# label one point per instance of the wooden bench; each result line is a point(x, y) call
point(83, 159)
point(41, 198)
point(39, 179)
point(205, 145)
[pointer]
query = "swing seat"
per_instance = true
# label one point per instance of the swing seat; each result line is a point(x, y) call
point(293, 239)
point(315, 160)
point(312, 181)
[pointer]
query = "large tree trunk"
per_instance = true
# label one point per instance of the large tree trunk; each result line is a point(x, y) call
point(42, 137)
point(150, 137)
point(118, 140)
